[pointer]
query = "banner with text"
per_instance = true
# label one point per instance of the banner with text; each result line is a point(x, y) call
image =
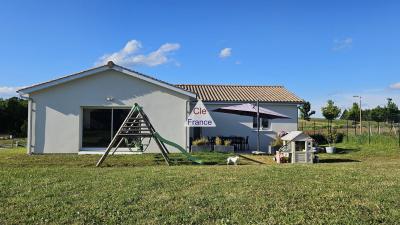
point(200, 117)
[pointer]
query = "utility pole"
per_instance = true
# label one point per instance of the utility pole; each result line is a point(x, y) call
point(258, 125)
point(359, 96)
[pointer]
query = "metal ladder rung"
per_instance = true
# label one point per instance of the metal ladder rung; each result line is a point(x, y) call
point(136, 131)
point(134, 126)
point(137, 135)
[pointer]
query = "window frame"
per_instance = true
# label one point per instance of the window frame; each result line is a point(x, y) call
point(262, 127)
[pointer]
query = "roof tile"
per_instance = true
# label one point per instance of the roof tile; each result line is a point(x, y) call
point(241, 93)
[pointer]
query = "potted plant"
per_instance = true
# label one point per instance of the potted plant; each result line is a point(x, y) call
point(332, 137)
point(200, 144)
point(223, 146)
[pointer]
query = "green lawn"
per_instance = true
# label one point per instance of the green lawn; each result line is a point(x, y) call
point(361, 185)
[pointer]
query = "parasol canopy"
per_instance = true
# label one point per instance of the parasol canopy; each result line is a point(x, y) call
point(248, 109)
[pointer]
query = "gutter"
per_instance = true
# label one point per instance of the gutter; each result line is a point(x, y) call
point(29, 137)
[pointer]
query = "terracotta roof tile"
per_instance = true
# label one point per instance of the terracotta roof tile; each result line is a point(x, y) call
point(241, 93)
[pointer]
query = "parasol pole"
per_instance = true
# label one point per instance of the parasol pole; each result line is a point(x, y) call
point(258, 125)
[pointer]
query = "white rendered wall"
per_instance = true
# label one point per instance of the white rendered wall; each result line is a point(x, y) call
point(237, 125)
point(57, 114)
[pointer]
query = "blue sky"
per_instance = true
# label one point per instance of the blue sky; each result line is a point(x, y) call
point(318, 49)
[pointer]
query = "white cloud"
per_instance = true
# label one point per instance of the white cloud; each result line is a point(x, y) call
point(226, 52)
point(7, 92)
point(395, 85)
point(128, 56)
point(342, 44)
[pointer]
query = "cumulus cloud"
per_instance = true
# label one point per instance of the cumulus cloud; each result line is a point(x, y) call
point(129, 55)
point(6, 92)
point(341, 44)
point(226, 52)
point(395, 86)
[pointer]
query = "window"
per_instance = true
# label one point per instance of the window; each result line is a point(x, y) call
point(100, 125)
point(264, 123)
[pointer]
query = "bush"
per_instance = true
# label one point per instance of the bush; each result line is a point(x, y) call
point(278, 143)
point(200, 141)
point(218, 141)
point(227, 142)
point(339, 137)
point(320, 139)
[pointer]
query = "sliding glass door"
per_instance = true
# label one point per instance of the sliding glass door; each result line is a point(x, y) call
point(100, 125)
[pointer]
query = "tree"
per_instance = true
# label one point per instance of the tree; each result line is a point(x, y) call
point(330, 112)
point(345, 115)
point(366, 114)
point(306, 112)
point(13, 116)
point(392, 111)
point(3, 116)
point(354, 113)
point(378, 115)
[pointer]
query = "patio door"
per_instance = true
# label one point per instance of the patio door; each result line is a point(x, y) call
point(100, 125)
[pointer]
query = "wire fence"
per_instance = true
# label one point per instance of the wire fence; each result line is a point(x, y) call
point(10, 142)
point(370, 132)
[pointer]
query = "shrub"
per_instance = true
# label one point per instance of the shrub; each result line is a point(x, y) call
point(218, 141)
point(319, 138)
point(323, 139)
point(278, 143)
point(227, 142)
point(200, 141)
point(339, 137)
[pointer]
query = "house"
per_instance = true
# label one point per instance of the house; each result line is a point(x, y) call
point(80, 113)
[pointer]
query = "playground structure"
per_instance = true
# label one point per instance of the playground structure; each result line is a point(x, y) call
point(137, 127)
point(297, 148)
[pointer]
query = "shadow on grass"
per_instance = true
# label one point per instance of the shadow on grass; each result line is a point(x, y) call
point(340, 150)
point(337, 160)
point(250, 159)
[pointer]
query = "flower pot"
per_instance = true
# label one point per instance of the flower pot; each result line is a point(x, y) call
point(330, 149)
point(223, 148)
point(200, 148)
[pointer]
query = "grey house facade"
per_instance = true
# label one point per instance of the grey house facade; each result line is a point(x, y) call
point(81, 112)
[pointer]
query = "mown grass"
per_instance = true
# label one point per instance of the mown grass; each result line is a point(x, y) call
point(360, 185)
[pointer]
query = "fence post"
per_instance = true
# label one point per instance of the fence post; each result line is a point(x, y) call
point(399, 134)
point(314, 128)
point(369, 132)
point(347, 131)
point(355, 128)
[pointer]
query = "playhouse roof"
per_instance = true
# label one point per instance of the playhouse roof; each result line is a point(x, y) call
point(296, 136)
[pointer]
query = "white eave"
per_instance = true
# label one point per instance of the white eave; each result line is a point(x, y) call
point(109, 66)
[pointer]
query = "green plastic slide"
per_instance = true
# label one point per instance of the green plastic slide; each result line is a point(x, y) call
point(184, 152)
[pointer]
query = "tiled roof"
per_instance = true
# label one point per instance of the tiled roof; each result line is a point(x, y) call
point(241, 93)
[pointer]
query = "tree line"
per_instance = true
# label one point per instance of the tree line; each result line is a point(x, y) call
point(389, 113)
point(14, 116)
